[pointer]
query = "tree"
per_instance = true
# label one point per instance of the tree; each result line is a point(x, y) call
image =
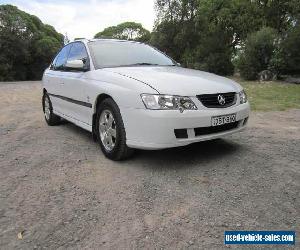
point(192, 33)
point(257, 53)
point(278, 14)
point(66, 39)
point(290, 51)
point(174, 31)
point(26, 44)
point(210, 34)
point(125, 31)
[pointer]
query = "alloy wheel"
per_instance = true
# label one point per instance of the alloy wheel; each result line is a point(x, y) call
point(107, 130)
point(47, 108)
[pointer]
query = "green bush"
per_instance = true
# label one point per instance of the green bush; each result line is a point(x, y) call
point(257, 53)
point(278, 63)
point(211, 54)
point(291, 51)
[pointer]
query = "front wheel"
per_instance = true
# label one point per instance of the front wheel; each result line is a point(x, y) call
point(50, 117)
point(111, 132)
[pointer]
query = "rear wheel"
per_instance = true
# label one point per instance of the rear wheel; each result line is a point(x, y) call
point(111, 132)
point(50, 117)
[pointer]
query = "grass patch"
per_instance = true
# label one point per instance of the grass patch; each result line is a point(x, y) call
point(271, 96)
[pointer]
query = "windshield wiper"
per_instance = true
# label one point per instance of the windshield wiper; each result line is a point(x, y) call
point(144, 63)
point(151, 64)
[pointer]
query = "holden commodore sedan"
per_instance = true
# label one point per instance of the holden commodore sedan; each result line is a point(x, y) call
point(132, 96)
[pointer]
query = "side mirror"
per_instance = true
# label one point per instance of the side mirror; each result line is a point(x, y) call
point(75, 64)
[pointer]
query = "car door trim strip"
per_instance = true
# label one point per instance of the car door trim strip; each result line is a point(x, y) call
point(86, 104)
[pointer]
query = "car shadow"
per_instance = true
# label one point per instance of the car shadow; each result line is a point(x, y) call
point(193, 154)
point(196, 153)
point(76, 129)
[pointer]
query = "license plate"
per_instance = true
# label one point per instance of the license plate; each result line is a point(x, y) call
point(223, 119)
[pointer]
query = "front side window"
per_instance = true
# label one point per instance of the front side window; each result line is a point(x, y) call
point(122, 53)
point(77, 52)
point(61, 58)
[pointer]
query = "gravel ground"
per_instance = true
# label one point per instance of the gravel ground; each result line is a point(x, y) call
point(58, 191)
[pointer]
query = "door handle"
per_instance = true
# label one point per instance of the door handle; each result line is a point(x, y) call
point(61, 83)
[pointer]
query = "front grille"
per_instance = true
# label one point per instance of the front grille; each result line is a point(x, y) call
point(211, 100)
point(216, 129)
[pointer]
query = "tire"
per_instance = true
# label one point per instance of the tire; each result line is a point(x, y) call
point(110, 131)
point(50, 117)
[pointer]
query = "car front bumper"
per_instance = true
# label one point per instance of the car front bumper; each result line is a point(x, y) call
point(155, 129)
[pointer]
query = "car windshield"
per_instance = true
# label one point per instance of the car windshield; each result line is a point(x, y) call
point(122, 53)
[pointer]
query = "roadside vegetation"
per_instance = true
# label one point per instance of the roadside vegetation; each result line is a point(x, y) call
point(27, 46)
point(258, 39)
point(271, 95)
point(226, 36)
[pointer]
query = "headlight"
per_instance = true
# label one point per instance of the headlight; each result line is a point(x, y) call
point(243, 97)
point(168, 102)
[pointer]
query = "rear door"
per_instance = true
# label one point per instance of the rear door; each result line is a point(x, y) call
point(77, 104)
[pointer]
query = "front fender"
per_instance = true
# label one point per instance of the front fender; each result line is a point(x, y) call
point(123, 90)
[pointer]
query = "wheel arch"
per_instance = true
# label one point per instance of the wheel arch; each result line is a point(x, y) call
point(100, 98)
point(44, 92)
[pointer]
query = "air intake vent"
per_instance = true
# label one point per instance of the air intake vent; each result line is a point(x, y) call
point(181, 133)
point(216, 129)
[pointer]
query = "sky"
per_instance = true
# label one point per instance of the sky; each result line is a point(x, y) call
point(84, 18)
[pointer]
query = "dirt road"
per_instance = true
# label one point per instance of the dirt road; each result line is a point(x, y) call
point(58, 190)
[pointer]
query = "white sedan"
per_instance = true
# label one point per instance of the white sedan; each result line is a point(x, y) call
point(130, 95)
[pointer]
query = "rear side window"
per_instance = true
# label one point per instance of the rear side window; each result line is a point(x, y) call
point(78, 52)
point(61, 58)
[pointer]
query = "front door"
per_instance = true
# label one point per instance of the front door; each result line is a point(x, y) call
point(74, 84)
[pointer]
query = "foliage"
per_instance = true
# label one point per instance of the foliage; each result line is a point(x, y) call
point(290, 53)
point(257, 53)
point(125, 31)
point(212, 34)
point(203, 34)
point(26, 44)
point(218, 36)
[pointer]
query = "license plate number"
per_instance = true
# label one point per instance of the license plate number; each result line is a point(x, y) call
point(223, 119)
